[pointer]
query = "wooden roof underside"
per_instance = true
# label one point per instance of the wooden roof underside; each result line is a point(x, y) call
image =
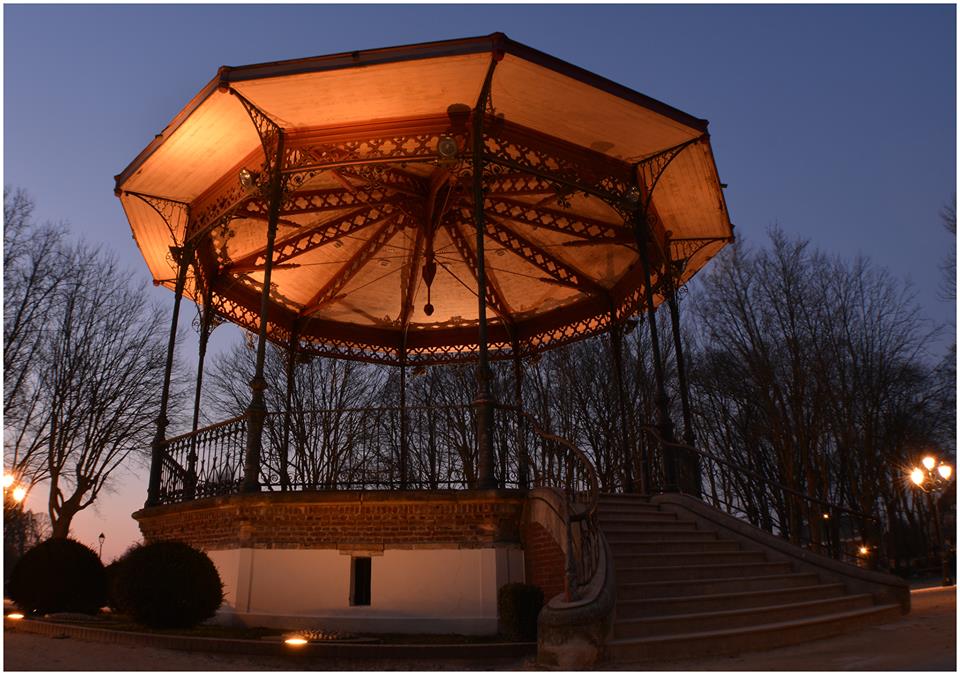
point(369, 202)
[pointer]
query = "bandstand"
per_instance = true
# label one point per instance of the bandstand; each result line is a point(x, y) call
point(461, 201)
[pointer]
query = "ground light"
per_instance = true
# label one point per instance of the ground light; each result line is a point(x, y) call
point(295, 641)
point(16, 616)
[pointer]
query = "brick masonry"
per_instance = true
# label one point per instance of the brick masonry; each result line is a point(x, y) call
point(543, 560)
point(344, 520)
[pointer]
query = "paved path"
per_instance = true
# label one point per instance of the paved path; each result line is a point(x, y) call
point(923, 640)
point(22, 651)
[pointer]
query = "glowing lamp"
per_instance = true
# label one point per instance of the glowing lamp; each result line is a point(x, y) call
point(19, 493)
point(945, 470)
point(248, 179)
point(16, 616)
point(447, 147)
point(295, 641)
point(917, 476)
point(864, 550)
point(826, 516)
point(7, 480)
point(929, 462)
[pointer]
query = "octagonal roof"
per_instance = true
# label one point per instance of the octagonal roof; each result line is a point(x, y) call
point(370, 201)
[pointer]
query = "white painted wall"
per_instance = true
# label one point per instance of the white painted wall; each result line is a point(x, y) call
point(411, 590)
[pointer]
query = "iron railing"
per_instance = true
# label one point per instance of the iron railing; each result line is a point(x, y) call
point(812, 523)
point(554, 462)
point(204, 463)
point(417, 448)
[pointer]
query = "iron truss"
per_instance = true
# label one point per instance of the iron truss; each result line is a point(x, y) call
point(390, 177)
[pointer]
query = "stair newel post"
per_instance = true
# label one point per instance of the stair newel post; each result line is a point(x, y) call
point(182, 255)
point(834, 527)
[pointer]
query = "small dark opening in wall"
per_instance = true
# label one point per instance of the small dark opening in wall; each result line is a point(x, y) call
point(360, 588)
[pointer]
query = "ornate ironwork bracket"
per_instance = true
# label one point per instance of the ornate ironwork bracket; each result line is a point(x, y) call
point(651, 169)
point(175, 214)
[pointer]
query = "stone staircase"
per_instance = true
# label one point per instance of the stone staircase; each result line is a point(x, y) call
point(684, 591)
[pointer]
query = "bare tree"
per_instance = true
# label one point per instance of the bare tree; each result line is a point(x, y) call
point(948, 284)
point(104, 354)
point(33, 270)
point(813, 371)
point(84, 351)
point(316, 438)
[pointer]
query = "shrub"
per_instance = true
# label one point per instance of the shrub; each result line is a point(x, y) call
point(167, 584)
point(59, 575)
point(112, 572)
point(519, 606)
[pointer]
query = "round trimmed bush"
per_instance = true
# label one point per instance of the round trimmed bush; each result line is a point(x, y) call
point(59, 575)
point(166, 584)
point(519, 607)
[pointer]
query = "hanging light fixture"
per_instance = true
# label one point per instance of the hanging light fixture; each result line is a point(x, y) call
point(248, 179)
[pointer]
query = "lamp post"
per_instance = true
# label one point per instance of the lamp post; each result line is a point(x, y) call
point(101, 538)
point(933, 476)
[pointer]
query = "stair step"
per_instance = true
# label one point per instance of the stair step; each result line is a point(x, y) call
point(620, 517)
point(632, 498)
point(688, 587)
point(735, 640)
point(625, 555)
point(737, 618)
point(637, 508)
point(660, 535)
point(620, 527)
point(715, 602)
point(700, 571)
point(626, 503)
point(701, 546)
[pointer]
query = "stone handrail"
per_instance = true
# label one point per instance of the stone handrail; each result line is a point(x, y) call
point(574, 626)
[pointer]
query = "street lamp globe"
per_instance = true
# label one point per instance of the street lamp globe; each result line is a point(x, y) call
point(929, 462)
point(7, 480)
point(917, 476)
point(945, 470)
point(19, 493)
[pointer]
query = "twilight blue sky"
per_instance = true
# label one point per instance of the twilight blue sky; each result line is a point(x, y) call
point(837, 123)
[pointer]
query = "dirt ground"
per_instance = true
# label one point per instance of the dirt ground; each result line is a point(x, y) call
point(924, 640)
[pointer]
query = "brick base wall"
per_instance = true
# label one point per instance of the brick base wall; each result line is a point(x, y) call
point(345, 520)
point(543, 560)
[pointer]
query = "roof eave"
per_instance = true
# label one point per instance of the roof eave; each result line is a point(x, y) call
point(493, 42)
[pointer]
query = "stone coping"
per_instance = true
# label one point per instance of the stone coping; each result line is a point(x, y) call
point(306, 497)
point(332, 649)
